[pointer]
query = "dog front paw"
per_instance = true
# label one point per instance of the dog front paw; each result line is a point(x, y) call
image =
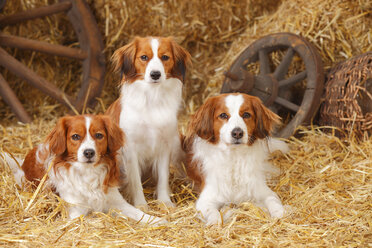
point(277, 212)
point(276, 209)
point(213, 218)
point(74, 212)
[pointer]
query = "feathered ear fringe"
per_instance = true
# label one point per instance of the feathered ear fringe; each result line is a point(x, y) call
point(182, 60)
point(57, 137)
point(266, 119)
point(201, 123)
point(123, 60)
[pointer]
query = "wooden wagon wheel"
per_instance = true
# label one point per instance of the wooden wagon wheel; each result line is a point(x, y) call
point(90, 53)
point(254, 72)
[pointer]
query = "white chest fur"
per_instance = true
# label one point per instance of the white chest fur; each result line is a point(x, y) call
point(81, 185)
point(233, 171)
point(149, 119)
point(149, 115)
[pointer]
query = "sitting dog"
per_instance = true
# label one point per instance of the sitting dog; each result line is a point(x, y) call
point(226, 149)
point(81, 151)
point(153, 70)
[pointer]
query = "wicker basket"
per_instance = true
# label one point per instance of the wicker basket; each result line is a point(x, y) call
point(348, 96)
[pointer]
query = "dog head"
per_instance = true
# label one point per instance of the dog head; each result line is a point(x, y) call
point(232, 119)
point(152, 59)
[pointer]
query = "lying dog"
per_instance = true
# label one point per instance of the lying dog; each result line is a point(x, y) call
point(84, 172)
point(227, 150)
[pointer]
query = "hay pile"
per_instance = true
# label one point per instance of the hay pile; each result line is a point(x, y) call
point(325, 182)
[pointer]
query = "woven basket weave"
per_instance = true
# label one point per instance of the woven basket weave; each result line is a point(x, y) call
point(348, 96)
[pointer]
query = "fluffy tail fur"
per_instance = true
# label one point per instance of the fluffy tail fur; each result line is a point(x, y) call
point(277, 144)
point(15, 165)
point(274, 144)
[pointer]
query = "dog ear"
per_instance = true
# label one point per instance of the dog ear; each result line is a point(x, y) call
point(182, 60)
point(115, 136)
point(115, 140)
point(201, 122)
point(123, 60)
point(112, 177)
point(57, 137)
point(266, 119)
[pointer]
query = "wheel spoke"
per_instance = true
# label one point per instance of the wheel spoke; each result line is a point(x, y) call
point(292, 80)
point(11, 99)
point(287, 104)
point(35, 13)
point(44, 47)
point(258, 93)
point(282, 68)
point(31, 77)
point(264, 62)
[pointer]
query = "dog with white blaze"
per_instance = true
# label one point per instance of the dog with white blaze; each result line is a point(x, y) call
point(153, 71)
point(227, 146)
point(81, 151)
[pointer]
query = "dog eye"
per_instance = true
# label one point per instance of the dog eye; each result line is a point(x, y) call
point(246, 115)
point(98, 135)
point(164, 57)
point(75, 136)
point(144, 58)
point(223, 116)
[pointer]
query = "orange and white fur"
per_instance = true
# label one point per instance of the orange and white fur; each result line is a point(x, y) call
point(153, 69)
point(84, 172)
point(227, 146)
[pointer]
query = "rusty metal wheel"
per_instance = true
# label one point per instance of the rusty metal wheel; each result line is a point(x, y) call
point(268, 68)
point(90, 53)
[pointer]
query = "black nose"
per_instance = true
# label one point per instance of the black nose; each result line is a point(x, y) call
point(89, 153)
point(155, 75)
point(237, 133)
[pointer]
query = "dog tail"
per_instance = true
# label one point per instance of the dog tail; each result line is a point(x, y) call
point(275, 144)
point(15, 166)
